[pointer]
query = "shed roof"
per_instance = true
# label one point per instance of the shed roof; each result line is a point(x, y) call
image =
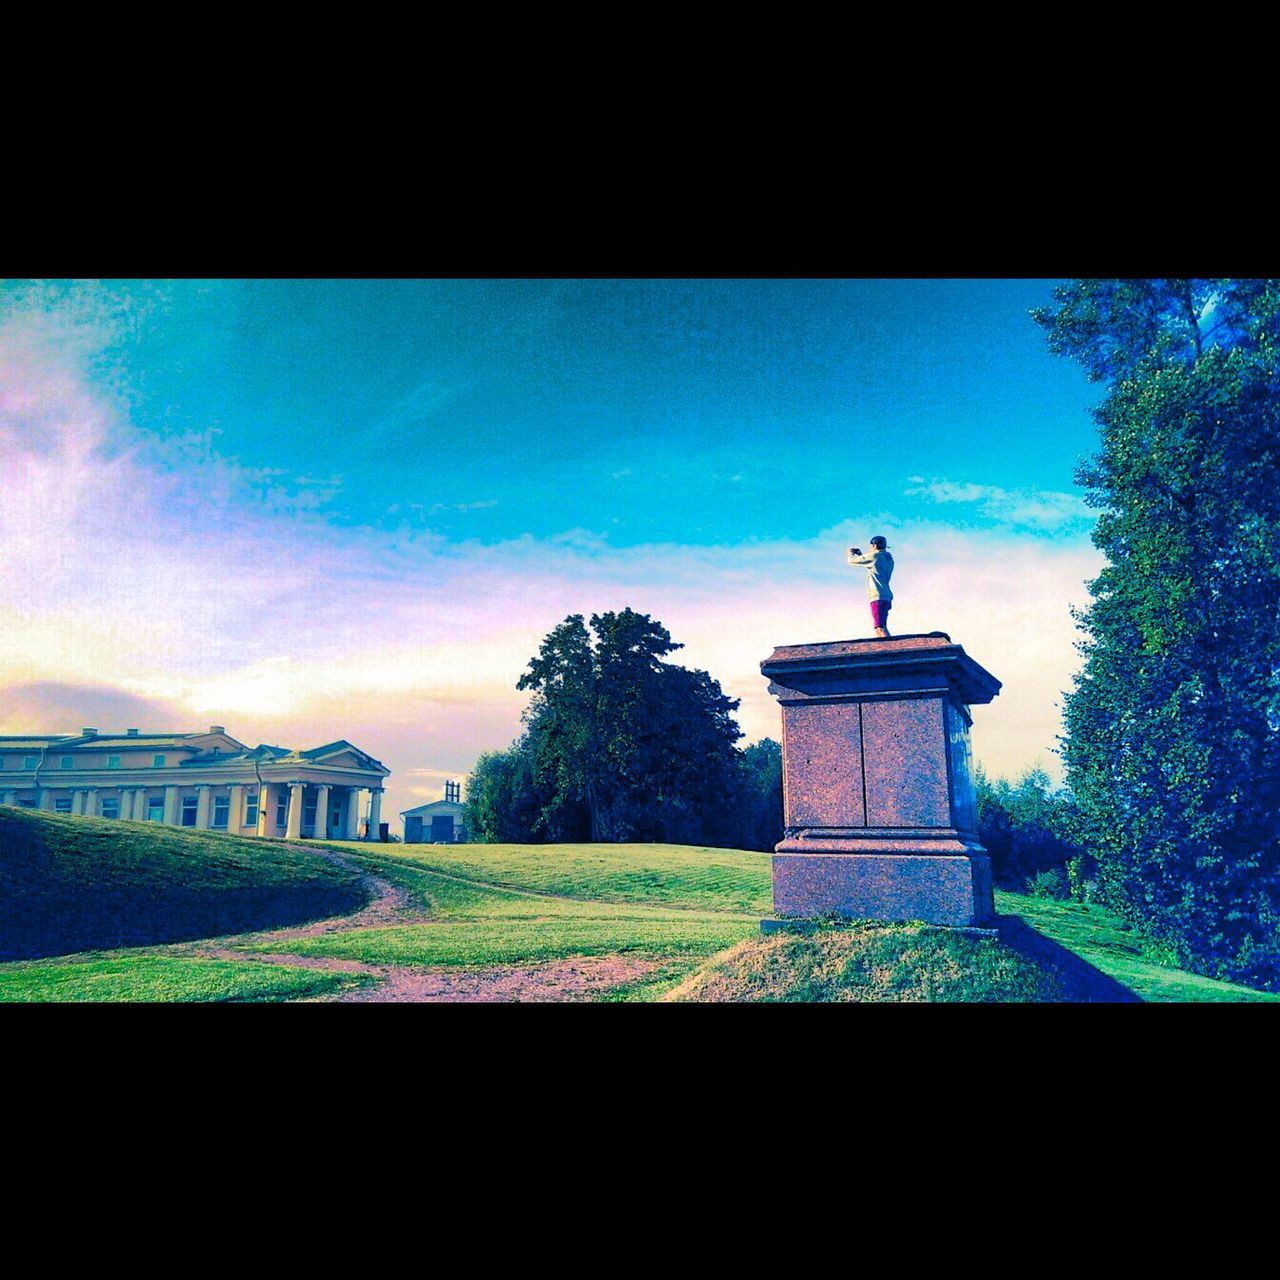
point(436, 808)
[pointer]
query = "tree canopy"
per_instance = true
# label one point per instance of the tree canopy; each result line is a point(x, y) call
point(620, 744)
point(1172, 729)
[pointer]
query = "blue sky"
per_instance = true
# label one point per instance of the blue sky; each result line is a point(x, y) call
point(352, 508)
point(699, 411)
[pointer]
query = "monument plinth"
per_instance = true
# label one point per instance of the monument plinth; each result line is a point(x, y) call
point(878, 803)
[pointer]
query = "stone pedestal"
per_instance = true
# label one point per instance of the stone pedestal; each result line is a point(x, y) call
point(878, 802)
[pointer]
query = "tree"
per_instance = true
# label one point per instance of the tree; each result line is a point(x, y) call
point(1172, 729)
point(1028, 827)
point(760, 813)
point(504, 801)
point(644, 748)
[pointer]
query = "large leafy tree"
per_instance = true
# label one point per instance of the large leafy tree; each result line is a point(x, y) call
point(643, 747)
point(1172, 731)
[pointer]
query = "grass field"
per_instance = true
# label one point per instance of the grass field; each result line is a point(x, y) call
point(739, 881)
point(1099, 937)
point(599, 922)
point(70, 884)
point(647, 874)
point(134, 975)
point(867, 963)
point(476, 923)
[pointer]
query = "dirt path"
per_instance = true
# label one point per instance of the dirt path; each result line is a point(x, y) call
point(579, 978)
point(553, 981)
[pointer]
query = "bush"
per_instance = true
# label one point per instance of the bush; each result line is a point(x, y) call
point(1026, 827)
point(1050, 884)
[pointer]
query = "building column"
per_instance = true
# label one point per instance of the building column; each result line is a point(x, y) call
point(322, 812)
point(126, 803)
point(375, 811)
point(202, 806)
point(44, 800)
point(91, 802)
point(235, 808)
point(141, 810)
point(293, 830)
point(8, 797)
point(171, 806)
point(353, 813)
point(264, 804)
point(77, 800)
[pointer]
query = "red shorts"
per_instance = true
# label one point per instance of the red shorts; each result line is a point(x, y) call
point(880, 612)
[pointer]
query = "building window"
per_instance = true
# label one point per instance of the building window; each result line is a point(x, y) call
point(66, 762)
point(155, 809)
point(221, 811)
point(62, 804)
point(27, 804)
point(309, 814)
point(113, 762)
point(157, 762)
point(282, 811)
point(251, 809)
point(335, 819)
point(29, 762)
point(111, 808)
point(189, 810)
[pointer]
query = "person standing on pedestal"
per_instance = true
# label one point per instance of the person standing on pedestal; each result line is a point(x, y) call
point(879, 567)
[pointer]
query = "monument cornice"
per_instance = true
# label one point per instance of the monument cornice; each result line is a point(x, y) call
point(910, 666)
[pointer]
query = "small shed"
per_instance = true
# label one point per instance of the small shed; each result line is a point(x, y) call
point(442, 820)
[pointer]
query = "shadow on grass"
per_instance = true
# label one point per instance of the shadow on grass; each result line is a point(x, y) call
point(1082, 983)
point(107, 920)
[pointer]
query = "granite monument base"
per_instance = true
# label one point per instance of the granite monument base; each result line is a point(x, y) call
point(933, 888)
point(879, 810)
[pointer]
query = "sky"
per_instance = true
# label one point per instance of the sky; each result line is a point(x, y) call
point(310, 510)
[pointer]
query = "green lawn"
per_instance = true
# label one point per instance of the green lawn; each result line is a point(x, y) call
point(83, 888)
point(730, 880)
point(874, 962)
point(137, 975)
point(488, 925)
point(1096, 935)
point(70, 884)
point(669, 875)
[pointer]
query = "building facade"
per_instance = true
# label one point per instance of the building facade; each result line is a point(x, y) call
point(208, 781)
point(441, 821)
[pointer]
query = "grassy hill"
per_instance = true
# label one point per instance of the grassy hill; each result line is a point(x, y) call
point(72, 884)
point(876, 962)
point(162, 913)
point(1085, 951)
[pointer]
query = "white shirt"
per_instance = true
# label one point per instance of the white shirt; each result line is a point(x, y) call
point(879, 566)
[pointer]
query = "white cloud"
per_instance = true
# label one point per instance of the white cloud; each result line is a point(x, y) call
point(461, 506)
point(1044, 509)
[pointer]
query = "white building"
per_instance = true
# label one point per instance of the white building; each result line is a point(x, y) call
point(204, 780)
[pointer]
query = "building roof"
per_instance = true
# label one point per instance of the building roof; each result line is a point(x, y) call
point(436, 807)
point(333, 749)
point(239, 754)
point(113, 740)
